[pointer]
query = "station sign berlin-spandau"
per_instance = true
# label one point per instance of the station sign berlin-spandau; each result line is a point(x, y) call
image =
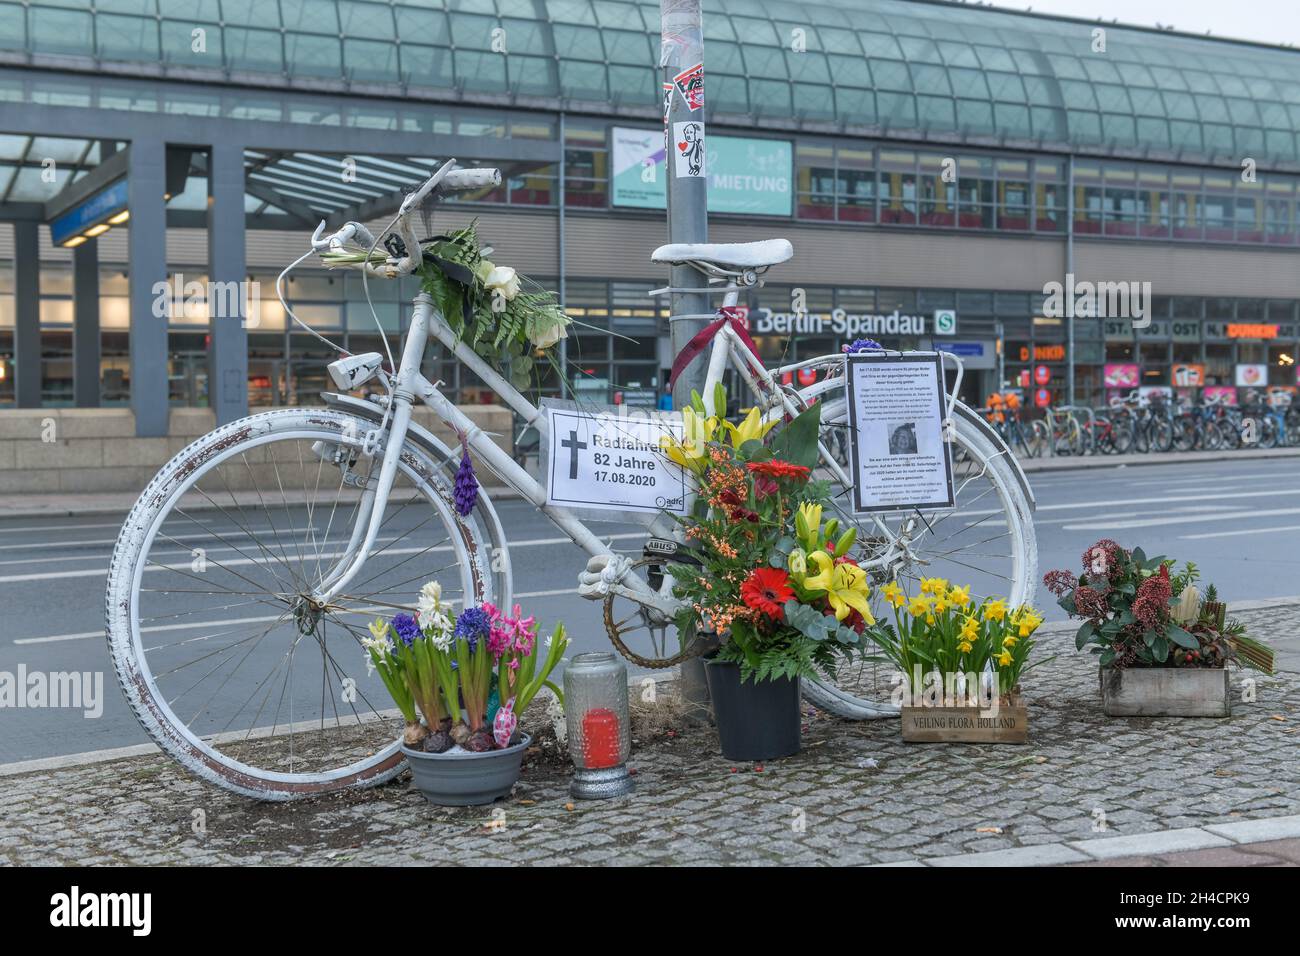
point(839, 322)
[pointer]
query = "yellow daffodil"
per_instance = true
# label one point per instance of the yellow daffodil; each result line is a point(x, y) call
point(970, 629)
point(1027, 622)
point(959, 597)
point(933, 585)
point(1009, 640)
point(894, 594)
point(845, 586)
point(940, 603)
point(918, 606)
point(692, 451)
point(995, 610)
point(753, 428)
point(965, 646)
point(1004, 659)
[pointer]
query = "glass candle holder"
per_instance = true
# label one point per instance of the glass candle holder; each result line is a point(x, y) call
point(596, 715)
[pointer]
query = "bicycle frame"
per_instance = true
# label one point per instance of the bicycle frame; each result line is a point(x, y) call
point(410, 385)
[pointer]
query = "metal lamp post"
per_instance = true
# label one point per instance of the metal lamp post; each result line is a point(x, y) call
point(681, 60)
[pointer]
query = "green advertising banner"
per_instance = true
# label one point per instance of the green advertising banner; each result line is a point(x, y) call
point(747, 176)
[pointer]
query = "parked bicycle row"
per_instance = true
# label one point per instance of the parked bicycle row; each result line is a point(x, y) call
point(1137, 423)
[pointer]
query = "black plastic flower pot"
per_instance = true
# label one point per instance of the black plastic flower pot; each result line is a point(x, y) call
point(757, 720)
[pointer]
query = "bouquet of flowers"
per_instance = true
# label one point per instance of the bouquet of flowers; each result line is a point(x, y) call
point(503, 317)
point(945, 643)
point(778, 585)
point(449, 670)
point(1138, 612)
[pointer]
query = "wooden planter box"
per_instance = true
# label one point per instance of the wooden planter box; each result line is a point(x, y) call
point(1166, 692)
point(965, 725)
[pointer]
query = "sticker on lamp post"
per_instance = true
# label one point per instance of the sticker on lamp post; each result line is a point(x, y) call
point(609, 459)
point(688, 149)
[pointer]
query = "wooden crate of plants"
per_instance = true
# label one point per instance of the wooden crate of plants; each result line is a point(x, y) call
point(960, 660)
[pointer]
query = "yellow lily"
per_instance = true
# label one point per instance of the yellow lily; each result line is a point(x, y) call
point(753, 428)
point(894, 594)
point(808, 525)
point(845, 586)
point(692, 451)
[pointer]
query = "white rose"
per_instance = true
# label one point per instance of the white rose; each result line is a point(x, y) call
point(505, 280)
point(546, 339)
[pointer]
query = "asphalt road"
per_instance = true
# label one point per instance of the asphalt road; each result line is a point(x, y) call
point(1237, 520)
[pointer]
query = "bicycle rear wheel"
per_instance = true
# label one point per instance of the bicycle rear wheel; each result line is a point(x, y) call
point(986, 541)
point(225, 660)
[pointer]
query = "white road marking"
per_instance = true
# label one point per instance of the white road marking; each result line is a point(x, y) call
point(1179, 519)
point(1239, 531)
point(226, 622)
point(243, 562)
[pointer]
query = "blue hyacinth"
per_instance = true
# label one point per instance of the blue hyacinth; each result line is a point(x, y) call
point(466, 488)
point(406, 628)
point(473, 625)
point(864, 345)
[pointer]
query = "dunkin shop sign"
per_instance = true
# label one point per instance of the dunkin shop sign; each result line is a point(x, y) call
point(839, 323)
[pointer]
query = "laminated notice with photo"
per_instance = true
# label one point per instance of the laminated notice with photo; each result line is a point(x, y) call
point(896, 411)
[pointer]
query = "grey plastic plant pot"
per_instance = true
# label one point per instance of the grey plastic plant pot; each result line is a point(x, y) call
point(757, 720)
point(466, 779)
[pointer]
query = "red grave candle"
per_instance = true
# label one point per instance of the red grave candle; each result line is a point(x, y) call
point(600, 738)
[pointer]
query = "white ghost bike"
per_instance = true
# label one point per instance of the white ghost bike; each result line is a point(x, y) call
point(245, 574)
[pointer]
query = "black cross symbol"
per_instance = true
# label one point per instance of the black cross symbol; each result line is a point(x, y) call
point(574, 446)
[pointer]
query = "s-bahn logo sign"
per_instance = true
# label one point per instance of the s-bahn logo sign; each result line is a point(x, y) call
point(839, 322)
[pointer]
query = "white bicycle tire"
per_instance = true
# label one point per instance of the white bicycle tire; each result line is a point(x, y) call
point(474, 544)
point(1016, 507)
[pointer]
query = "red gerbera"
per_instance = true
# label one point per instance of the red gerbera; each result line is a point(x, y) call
point(767, 590)
point(779, 469)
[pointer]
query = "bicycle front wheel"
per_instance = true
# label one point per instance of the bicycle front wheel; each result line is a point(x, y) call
point(986, 542)
point(227, 662)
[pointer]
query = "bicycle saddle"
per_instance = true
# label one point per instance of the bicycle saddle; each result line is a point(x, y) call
point(735, 255)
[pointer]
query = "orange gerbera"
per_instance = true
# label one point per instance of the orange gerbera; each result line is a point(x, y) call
point(779, 469)
point(767, 590)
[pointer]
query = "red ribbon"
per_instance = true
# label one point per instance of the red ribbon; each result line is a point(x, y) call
point(727, 315)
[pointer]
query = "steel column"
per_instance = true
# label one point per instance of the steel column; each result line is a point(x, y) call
point(147, 248)
point(227, 270)
point(27, 315)
point(85, 324)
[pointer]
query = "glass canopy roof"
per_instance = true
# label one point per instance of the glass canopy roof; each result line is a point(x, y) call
point(932, 68)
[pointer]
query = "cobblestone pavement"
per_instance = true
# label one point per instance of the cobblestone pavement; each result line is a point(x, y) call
point(856, 794)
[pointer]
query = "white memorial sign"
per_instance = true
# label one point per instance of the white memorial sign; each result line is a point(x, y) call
point(608, 458)
point(896, 412)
